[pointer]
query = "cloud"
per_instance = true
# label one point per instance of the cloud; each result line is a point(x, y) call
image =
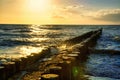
point(76, 9)
point(67, 11)
point(112, 15)
point(83, 12)
point(58, 17)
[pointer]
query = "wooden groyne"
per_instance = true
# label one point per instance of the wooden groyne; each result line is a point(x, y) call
point(65, 64)
point(61, 66)
point(81, 38)
point(68, 60)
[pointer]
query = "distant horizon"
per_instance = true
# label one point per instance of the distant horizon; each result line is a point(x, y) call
point(54, 24)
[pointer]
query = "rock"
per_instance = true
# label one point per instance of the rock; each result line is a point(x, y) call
point(117, 38)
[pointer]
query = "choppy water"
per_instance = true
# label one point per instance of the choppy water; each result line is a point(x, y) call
point(19, 40)
point(106, 66)
point(26, 39)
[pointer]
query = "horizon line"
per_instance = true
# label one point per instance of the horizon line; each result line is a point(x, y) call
point(51, 24)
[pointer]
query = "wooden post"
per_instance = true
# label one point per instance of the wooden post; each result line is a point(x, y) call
point(56, 70)
point(49, 77)
point(66, 69)
point(9, 68)
point(17, 64)
point(2, 73)
point(24, 63)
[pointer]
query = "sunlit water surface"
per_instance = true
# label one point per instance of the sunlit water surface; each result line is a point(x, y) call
point(21, 40)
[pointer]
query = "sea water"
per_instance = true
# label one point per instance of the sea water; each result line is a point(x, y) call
point(105, 66)
point(22, 40)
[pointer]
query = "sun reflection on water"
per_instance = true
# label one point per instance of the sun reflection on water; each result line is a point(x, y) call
point(31, 39)
point(21, 51)
point(29, 50)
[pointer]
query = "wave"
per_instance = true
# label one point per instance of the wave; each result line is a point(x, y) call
point(104, 65)
point(14, 43)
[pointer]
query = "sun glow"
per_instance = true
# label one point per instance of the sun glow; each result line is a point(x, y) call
point(39, 5)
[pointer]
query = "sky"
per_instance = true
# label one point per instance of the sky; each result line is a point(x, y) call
point(59, 11)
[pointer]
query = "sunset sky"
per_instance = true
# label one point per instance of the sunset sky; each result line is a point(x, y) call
point(60, 11)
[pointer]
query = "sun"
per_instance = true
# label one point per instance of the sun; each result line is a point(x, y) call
point(39, 5)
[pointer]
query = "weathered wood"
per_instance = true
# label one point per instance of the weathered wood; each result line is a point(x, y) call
point(9, 68)
point(56, 70)
point(50, 77)
point(78, 46)
point(2, 73)
point(79, 38)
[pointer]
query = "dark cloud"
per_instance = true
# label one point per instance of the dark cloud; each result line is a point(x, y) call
point(110, 17)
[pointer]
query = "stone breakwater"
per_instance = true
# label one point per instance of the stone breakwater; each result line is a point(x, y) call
point(60, 66)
